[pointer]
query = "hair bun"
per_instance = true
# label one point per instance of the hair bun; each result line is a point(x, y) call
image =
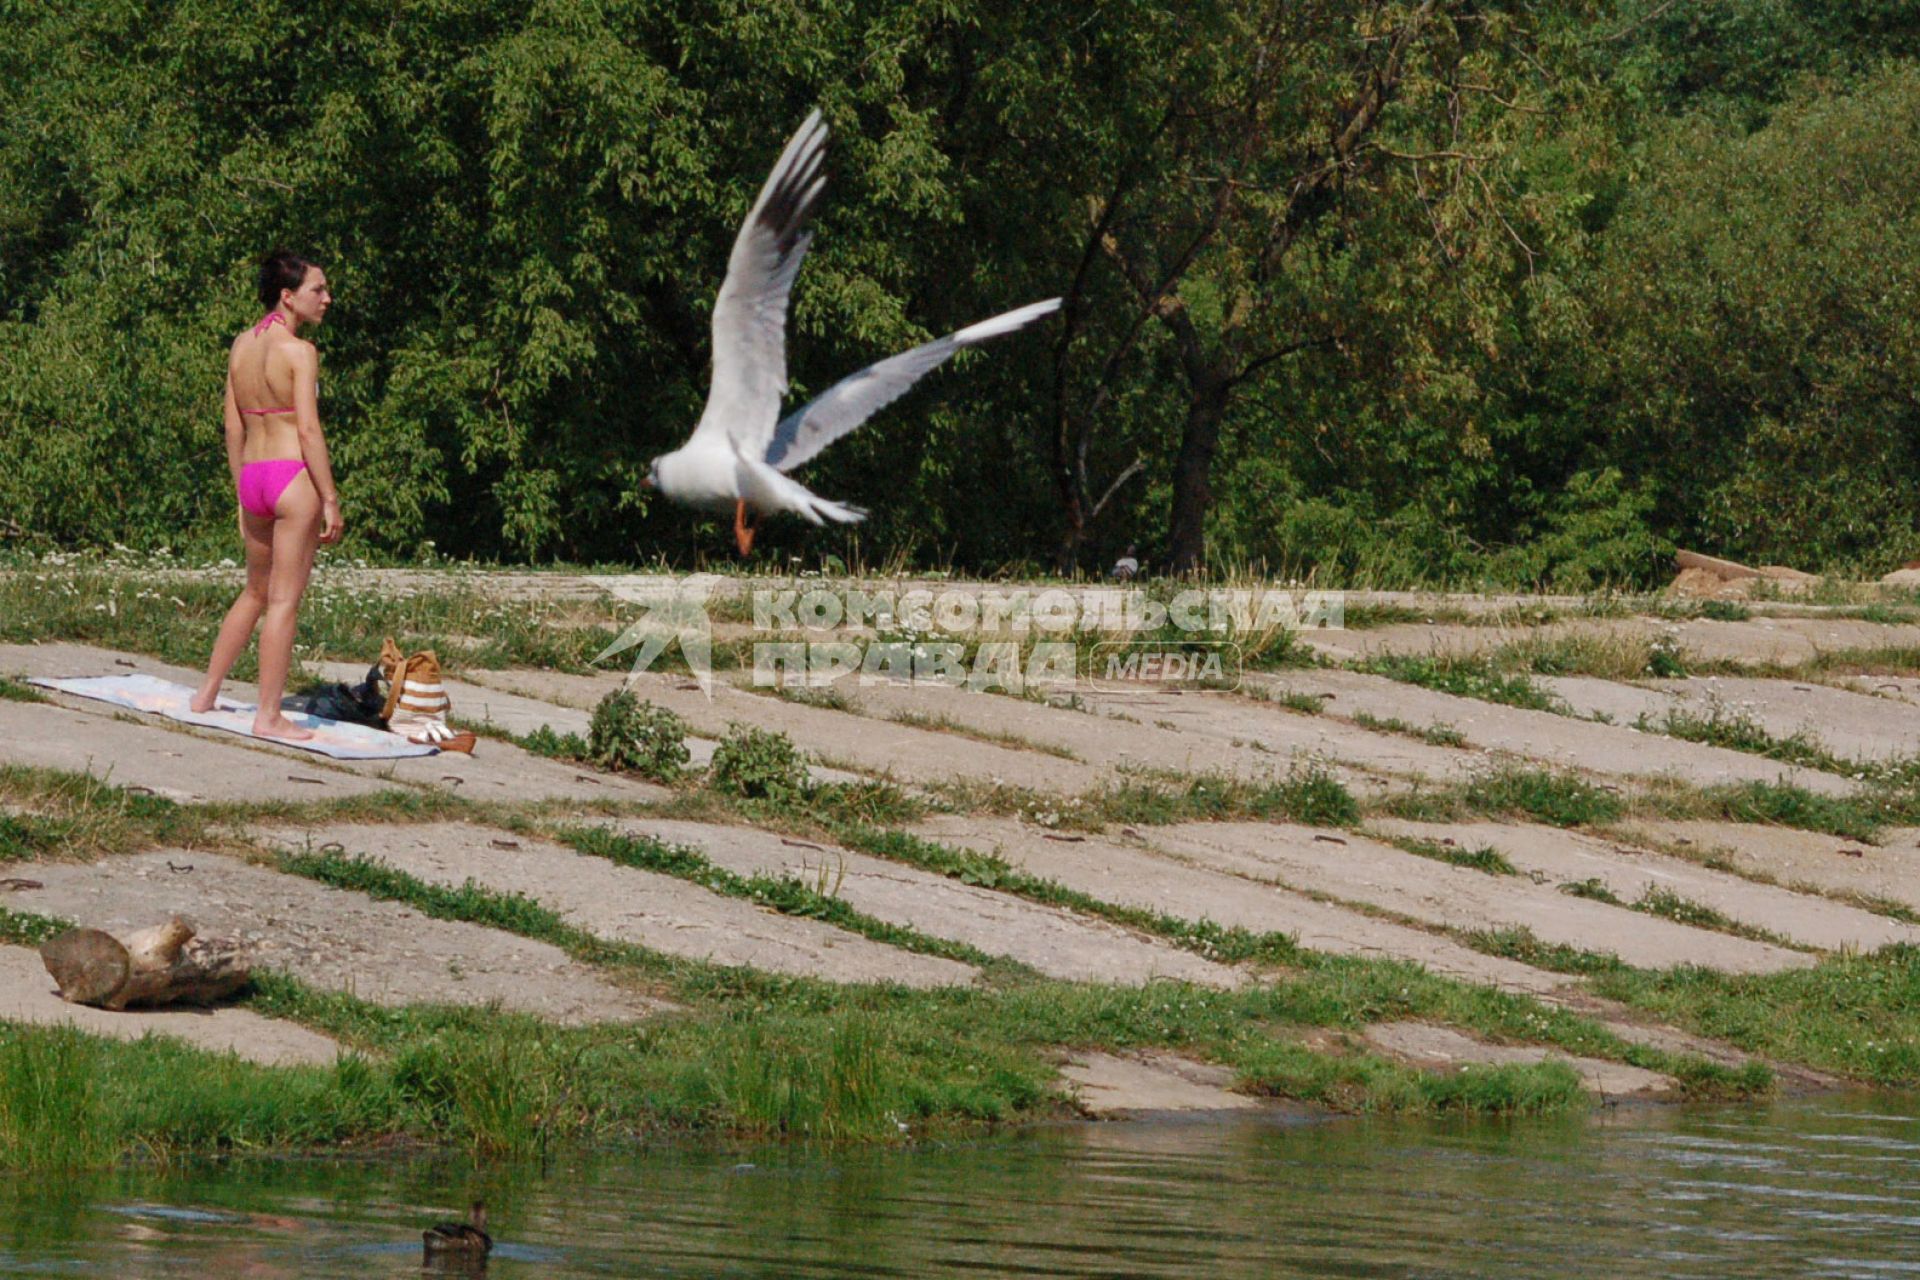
point(279, 270)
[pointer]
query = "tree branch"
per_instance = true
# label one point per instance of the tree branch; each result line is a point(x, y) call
point(1134, 468)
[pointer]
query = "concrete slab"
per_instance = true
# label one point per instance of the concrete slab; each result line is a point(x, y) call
point(1060, 944)
point(1757, 641)
point(158, 760)
point(28, 995)
point(1831, 864)
point(1613, 701)
point(1093, 739)
point(1266, 727)
point(624, 904)
point(1355, 869)
point(1544, 737)
point(503, 772)
point(496, 771)
point(1108, 1085)
point(888, 750)
point(1123, 871)
point(1443, 1048)
point(330, 938)
point(1853, 724)
point(1630, 873)
point(476, 705)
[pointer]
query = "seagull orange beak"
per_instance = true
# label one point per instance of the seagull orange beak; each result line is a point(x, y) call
point(646, 482)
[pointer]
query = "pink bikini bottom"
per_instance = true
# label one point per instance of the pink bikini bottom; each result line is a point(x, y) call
point(262, 483)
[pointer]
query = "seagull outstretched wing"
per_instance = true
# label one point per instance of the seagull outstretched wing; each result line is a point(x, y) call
point(750, 314)
point(852, 400)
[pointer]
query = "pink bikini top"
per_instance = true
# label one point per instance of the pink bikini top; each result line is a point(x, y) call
point(267, 322)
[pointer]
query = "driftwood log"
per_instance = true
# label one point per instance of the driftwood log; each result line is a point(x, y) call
point(165, 964)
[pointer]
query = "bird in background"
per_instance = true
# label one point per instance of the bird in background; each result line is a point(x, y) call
point(460, 1240)
point(742, 449)
point(1126, 567)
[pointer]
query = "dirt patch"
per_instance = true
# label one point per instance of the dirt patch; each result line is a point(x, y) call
point(877, 747)
point(1889, 870)
point(28, 995)
point(1443, 1049)
point(1124, 872)
point(625, 904)
point(1355, 869)
point(1111, 1085)
point(1567, 857)
point(1547, 738)
point(1061, 944)
point(329, 938)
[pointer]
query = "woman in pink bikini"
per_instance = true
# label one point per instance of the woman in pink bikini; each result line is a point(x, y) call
point(288, 505)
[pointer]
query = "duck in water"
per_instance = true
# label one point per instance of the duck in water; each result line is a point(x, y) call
point(467, 1239)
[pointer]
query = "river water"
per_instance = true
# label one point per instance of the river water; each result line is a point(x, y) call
point(1816, 1187)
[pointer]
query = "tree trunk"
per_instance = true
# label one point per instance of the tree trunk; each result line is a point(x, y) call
point(1192, 494)
point(162, 965)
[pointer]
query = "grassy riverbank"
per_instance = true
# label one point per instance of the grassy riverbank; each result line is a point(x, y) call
point(743, 1053)
point(738, 1051)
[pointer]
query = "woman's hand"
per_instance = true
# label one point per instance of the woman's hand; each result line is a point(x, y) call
point(332, 525)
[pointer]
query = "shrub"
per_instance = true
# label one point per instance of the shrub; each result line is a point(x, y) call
point(628, 733)
point(759, 764)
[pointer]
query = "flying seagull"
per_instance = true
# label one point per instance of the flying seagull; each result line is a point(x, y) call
point(742, 449)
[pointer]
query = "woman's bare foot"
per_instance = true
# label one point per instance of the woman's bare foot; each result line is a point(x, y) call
point(280, 727)
point(202, 702)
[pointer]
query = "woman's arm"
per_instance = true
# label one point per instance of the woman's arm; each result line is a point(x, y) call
point(236, 433)
point(313, 445)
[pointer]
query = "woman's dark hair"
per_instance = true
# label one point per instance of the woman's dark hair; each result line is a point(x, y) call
point(281, 270)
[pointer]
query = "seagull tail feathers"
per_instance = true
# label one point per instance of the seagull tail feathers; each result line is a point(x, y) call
point(768, 491)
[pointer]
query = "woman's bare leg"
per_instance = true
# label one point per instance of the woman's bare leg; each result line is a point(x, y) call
point(296, 536)
point(257, 533)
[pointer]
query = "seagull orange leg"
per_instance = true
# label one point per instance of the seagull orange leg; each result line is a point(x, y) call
point(742, 531)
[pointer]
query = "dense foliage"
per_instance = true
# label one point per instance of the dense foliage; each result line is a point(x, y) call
point(1413, 289)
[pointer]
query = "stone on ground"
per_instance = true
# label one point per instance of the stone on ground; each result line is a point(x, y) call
point(626, 904)
point(333, 939)
point(28, 995)
point(1568, 857)
point(1130, 875)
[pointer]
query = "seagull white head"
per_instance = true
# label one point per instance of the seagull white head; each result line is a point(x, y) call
point(740, 452)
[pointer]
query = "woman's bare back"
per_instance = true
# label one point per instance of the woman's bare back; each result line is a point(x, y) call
point(261, 365)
